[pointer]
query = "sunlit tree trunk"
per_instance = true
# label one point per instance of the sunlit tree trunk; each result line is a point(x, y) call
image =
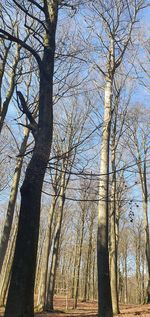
point(143, 179)
point(6, 270)
point(125, 276)
point(37, 286)
point(104, 290)
point(74, 267)
point(45, 255)
point(138, 271)
point(51, 283)
point(93, 276)
point(12, 200)
point(12, 84)
point(76, 289)
point(113, 216)
point(88, 264)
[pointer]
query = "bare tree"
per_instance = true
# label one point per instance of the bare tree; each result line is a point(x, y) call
point(24, 264)
point(15, 185)
point(139, 148)
point(8, 74)
point(116, 23)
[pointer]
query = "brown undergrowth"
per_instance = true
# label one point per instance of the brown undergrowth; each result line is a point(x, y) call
point(64, 308)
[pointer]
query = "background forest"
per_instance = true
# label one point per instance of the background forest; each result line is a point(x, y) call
point(75, 154)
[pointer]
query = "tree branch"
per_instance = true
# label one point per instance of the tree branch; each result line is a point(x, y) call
point(5, 35)
point(33, 126)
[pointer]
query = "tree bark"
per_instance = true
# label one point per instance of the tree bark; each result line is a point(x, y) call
point(125, 277)
point(93, 275)
point(74, 269)
point(138, 271)
point(20, 300)
point(146, 229)
point(113, 242)
point(147, 245)
point(113, 258)
point(143, 180)
point(49, 305)
point(4, 107)
point(76, 291)
point(104, 290)
point(88, 264)
point(12, 200)
point(47, 246)
point(6, 271)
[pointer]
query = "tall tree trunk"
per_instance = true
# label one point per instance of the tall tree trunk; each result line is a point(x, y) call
point(88, 264)
point(74, 269)
point(46, 252)
point(125, 277)
point(51, 284)
point(10, 91)
point(93, 275)
point(143, 279)
point(12, 200)
point(104, 290)
point(39, 269)
point(146, 229)
point(143, 179)
point(76, 291)
point(113, 242)
point(113, 258)
point(20, 300)
point(86, 284)
point(138, 271)
point(6, 270)
point(147, 244)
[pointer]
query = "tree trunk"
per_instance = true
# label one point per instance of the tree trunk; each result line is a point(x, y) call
point(147, 244)
point(6, 271)
point(86, 290)
point(20, 302)
point(51, 285)
point(12, 200)
point(93, 275)
point(46, 252)
point(146, 223)
point(38, 270)
point(113, 261)
point(74, 269)
point(138, 270)
point(88, 264)
point(143, 279)
point(113, 242)
point(104, 290)
point(125, 277)
point(4, 107)
point(76, 292)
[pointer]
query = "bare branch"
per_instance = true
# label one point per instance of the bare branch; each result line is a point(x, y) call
point(33, 126)
point(5, 35)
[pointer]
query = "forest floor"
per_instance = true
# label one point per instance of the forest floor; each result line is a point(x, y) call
point(90, 309)
point(64, 308)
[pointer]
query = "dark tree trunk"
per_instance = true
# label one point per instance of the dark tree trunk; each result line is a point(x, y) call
point(20, 302)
